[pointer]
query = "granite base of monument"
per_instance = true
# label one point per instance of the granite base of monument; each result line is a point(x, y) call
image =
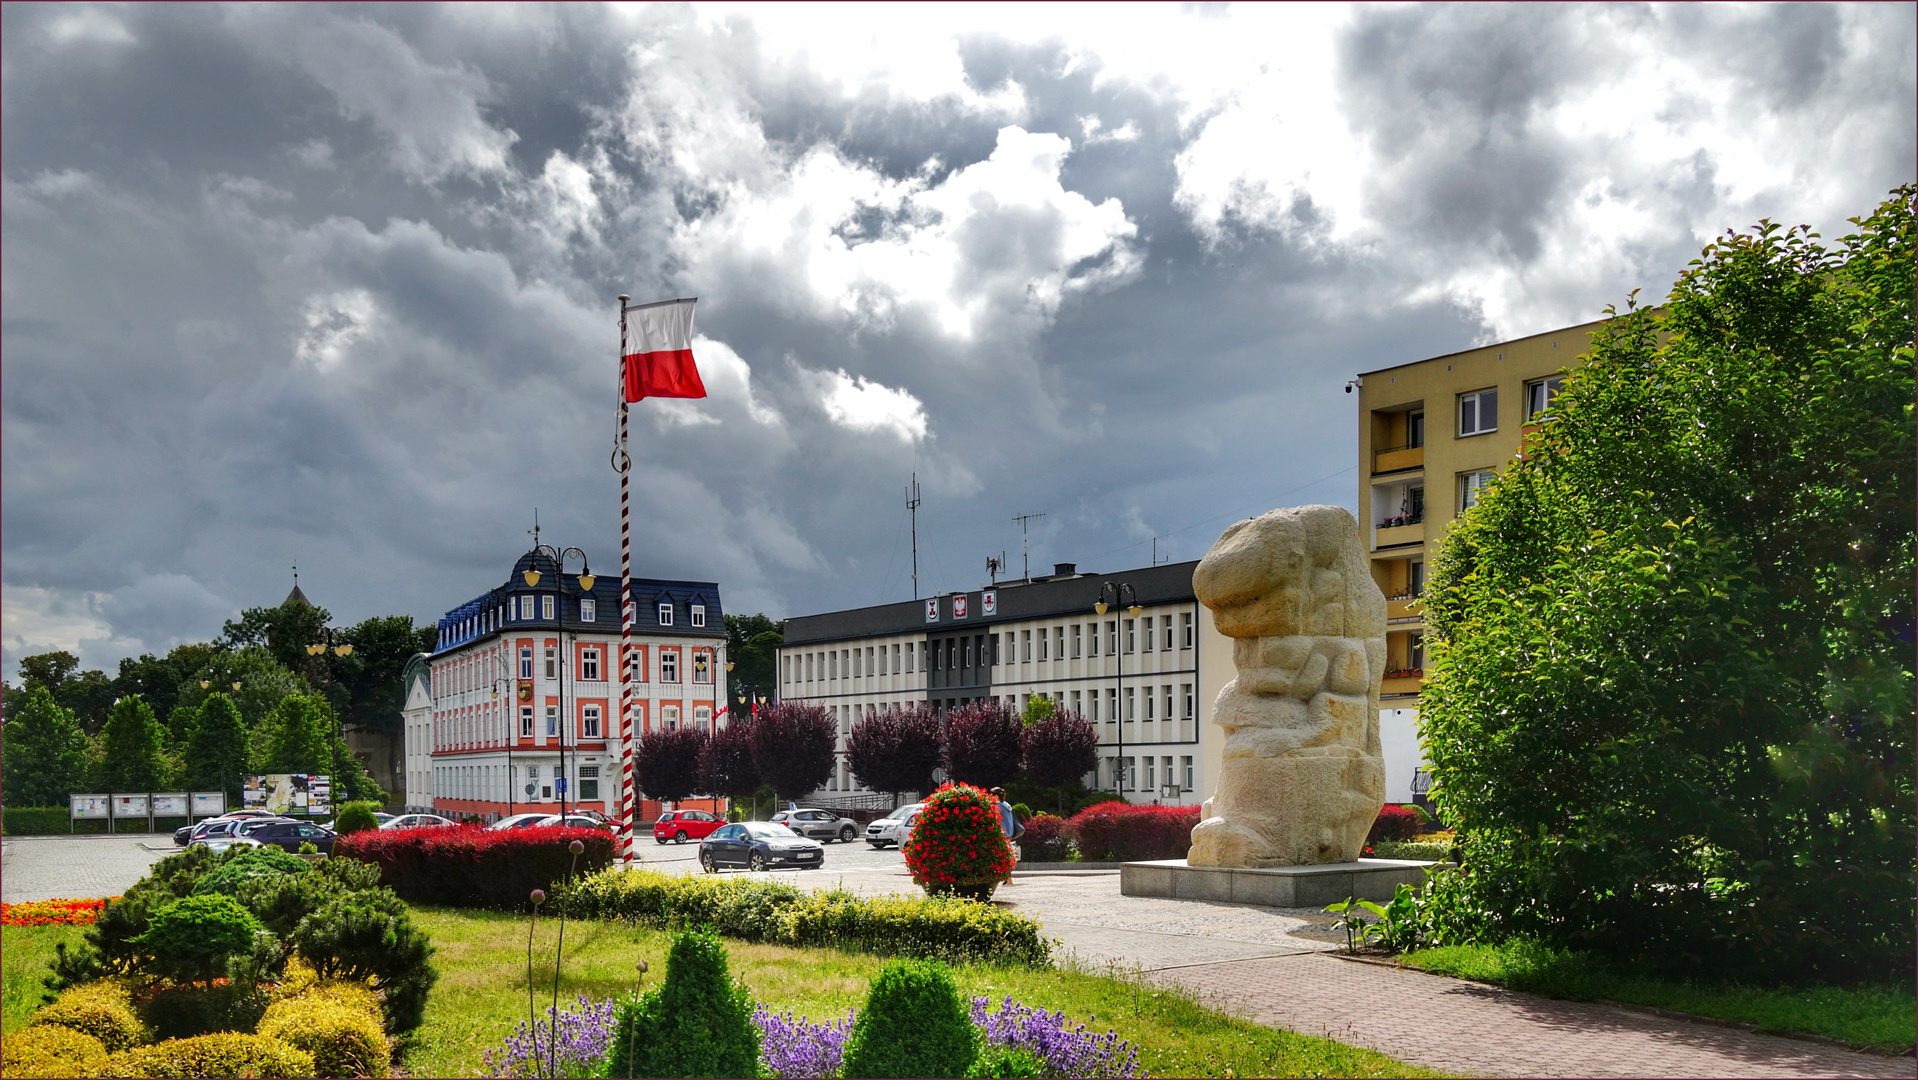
point(1278, 886)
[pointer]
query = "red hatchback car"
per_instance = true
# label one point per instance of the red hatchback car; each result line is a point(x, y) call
point(680, 826)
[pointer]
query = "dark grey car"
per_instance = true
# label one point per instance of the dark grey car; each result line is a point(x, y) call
point(759, 845)
point(819, 825)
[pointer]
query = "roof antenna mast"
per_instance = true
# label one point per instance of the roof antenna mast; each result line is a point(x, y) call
point(1025, 549)
point(912, 510)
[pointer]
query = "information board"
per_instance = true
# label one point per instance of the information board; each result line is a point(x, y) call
point(88, 807)
point(169, 804)
point(209, 803)
point(130, 806)
point(289, 793)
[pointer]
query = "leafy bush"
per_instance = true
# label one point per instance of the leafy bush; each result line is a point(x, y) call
point(102, 1009)
point(370, 936)
point(958, 840)
point(1412, 849)
point(475, 867)
point(41, 821)
point(698, 1023)
point(726, 764)
point(227, 1055)
point(191, 940)
point(1395, 823)
point(343, 1036)
point(1006, 1061)
point(984, 744)
point(241, 865)
point(772, 912)
point(1668, 704)
point(1121, 832)
point(666, 763)
point(356, 817)
point(895, 750)
point(1059, 750)
point(794, 747)
point(1047, 839)
point(181, 1012)
point(913, 1024)
point(50, 1050)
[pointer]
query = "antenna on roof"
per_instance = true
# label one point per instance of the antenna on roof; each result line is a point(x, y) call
point(995, 567)
point(1025, 549)
point(534, 531)
point(912, 509)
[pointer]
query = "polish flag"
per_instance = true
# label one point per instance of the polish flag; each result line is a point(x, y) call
point(659, 351)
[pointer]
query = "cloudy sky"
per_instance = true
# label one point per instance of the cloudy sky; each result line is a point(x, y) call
point(335, 286)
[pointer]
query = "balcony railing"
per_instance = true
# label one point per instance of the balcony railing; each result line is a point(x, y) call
point(1402, 520)
point(1395, 458)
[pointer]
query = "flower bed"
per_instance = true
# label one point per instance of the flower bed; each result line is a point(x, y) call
point(52, 912)
point(1121, 832)
point(468, 866)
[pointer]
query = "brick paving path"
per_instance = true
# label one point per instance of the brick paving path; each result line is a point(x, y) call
point(1482, 1030)
point(76, 867)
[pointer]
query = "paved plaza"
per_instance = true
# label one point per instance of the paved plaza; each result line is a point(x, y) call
point(1273, 966)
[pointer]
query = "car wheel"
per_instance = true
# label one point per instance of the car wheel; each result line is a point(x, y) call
point(758, 861)
point(706, 862)
point(661, 841)
point(877, 845)
point(846, 834)
point(679, 837)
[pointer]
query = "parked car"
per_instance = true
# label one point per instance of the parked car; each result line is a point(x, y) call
point(519, 821)
point(819, 825)
point(380, 817)
point(680, 826)
point(418, 821)
point(185, 834)
point(576, 821)
point(891, 829)
point(759, 845)
point(289, 835)
point(211, 829)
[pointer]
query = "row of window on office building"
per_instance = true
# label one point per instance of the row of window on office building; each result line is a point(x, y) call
point(547, 606)
point(1061, 642)
point(1157, 703)
point(484, 782)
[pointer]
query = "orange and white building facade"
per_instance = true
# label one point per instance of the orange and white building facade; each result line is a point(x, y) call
point(518, 709)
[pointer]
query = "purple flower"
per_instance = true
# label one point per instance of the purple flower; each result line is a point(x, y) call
point(580, 1036)
point(793, 1047)
point(1063, 1051)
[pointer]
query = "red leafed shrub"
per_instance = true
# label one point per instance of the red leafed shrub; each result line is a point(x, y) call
point(1046, 839)
point(467, 866)
point(1121, 832)
point(958, 840)
point(1395, 822)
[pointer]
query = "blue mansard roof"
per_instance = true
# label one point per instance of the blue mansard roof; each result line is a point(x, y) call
point(499, 610)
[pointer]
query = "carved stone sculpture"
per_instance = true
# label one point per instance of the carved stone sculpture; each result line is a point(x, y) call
point(1302, 778)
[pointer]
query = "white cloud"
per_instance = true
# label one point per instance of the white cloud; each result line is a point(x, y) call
point(333, 324)
point(88, 25)
point(857, 403)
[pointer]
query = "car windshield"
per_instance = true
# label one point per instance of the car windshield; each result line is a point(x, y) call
point(768, 829)
point(902, 812)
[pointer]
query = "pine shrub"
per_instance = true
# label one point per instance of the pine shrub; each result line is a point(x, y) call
point(242, 865)
point(370, 936)
point(699, 1022)
point(226, 1055)
point(50, 1050)
point(913, 1024)
point(191, 940)
point(103, 1010)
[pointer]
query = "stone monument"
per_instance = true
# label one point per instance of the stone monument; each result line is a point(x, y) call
point(1302, 777)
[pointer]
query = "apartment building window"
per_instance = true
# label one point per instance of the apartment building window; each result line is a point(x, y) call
point(894, 667)
point(1132, 774)
point(910, 650)
point(1148, 704)
point(552, 721)
point(1131, 704)
point(1075, 641)
point(1025, 646)
point(588, 609)
point(526, 663)
point(526, 608)
point(525, 721)
point(1168, 700)
point(666, 614)
point(1415, 429)
point(703, 717)
point(1478, 412)
point(589, 665)
point(1093, 702)
point(1165, 624)
point(669, 717)
point(552, 663)
point(1149, 772)
point(1539, 395)
point(1131, 637)
point(1471, 486)
point(669, 665)
point(699, 615)
point(1059, 642)
point(1185, 770)
point(1045, 639)
point(1092, 639)
point(1188, 631)
point(1077, 705)
point(589, 722)
point(588, 783)
point(702, 665)
point(870, 670)
point(1185, 691)
point(1112, 637)
point(546, 607)
point(1146, 645)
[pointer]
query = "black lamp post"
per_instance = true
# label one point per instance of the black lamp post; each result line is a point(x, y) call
point(585, 582)
point(1120, 593)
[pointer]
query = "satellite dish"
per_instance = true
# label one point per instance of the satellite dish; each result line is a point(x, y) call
point(529, 787)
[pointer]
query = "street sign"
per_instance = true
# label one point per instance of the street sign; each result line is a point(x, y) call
point(559, 785)
point(530, 787)
point(209, 803)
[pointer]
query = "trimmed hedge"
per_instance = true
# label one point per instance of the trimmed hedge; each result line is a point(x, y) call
point(50, 1050)
point(1121, 832)
point(913, 1025)
point(43, 821)
point(1047, 839)
point(102, 1009)
point(768, 911)
point(468, 866)
point(341, 1031)
point(1398, 823)
point(225, 1055)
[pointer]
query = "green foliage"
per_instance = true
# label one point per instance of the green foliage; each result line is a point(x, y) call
point(281, 901)
point(216, 747)
point(371, 935)
point(102, 1009)
point(344, 1040)
point(913, 1024)
point(133, 744)
point(45, 755)
point(43, 821)
point(241, 865)
point(356, 817)
point(698, 1023)
point(1669, 701)
point(1007, 1062)
point(181, 1012)
point(752, 643)
point(1411, 849)
point(1038, 707)
point(224, 1055)
point(50, 1050)
point(263, 682)
point(191, 940)
point(295, 736)
point(86, 694)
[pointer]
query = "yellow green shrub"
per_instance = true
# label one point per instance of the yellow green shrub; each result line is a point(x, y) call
point(102, 1009)
point(339, 1024)
point(228, 1054)
point(298, 978)
point(50, 1050)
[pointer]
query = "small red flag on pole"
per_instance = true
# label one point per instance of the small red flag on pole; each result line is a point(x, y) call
point(659, 351)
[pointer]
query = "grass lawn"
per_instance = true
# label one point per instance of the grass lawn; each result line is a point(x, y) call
point(25, 952)
point(1881, 1017)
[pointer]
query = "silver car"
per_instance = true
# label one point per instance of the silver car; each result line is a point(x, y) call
point(894, 827)
point(818, 825)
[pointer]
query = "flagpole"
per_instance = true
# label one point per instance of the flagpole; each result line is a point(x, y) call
point(623, 462)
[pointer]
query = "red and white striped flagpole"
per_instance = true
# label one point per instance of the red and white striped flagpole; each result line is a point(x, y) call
point(623, 462)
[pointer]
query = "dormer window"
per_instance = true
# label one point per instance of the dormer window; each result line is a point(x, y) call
point(699, 614)
point(666, 614)
point(588, 609)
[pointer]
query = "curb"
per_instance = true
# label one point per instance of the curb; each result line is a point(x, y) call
point(1652, 1010)
point(1026, 867)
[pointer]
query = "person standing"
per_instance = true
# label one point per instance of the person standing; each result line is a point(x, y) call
point(1008, 821)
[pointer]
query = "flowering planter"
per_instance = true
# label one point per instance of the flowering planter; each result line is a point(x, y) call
point(957, 846)
point(965, 890)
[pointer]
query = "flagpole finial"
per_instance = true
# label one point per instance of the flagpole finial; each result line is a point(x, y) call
point(623, 298)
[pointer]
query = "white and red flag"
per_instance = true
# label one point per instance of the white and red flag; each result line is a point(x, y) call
point(658, 360)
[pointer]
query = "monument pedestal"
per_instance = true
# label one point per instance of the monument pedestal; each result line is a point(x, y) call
point(1278, 886)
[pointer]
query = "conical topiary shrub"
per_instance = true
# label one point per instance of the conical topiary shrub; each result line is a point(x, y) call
point(698, 1024)
point(913, 1025)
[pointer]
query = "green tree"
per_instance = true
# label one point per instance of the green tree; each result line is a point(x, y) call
point(216, 748)
point(263, 682)
point(45, 753)
point(1038, 707)
point(133, 754)
point(86, 694)
point(296, 737)
point(284, 631)
point(752, 645)
point(1670, 695)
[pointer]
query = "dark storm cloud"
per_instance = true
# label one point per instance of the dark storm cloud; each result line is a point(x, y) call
point(335, 285)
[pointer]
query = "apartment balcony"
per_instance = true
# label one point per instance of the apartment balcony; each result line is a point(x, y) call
point(1404, 609)
point(1398, 459)
point(1396, 531)
point(1401, 682)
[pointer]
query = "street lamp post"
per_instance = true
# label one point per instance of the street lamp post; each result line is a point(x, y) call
point(1120, 593)
point(585, 581)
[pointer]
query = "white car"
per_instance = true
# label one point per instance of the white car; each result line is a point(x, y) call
point(418, 821)
point(894, 827)
point(519, 821)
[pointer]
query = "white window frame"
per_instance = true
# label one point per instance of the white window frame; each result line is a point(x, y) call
point(705, 676)
point(526, 607)
point(1471, 487)
point(1478, 399)
point(589, 722)
point(589, 664)
point(669, 718)
point(588, 609)
point(666, 613)
point(669, 665)
point(552, 721)
point(588, 774)
point(1188, 631)
point(1546, 389)
point(526, 663)
point(699, 615)
point(703, 717)
point(546, 606)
